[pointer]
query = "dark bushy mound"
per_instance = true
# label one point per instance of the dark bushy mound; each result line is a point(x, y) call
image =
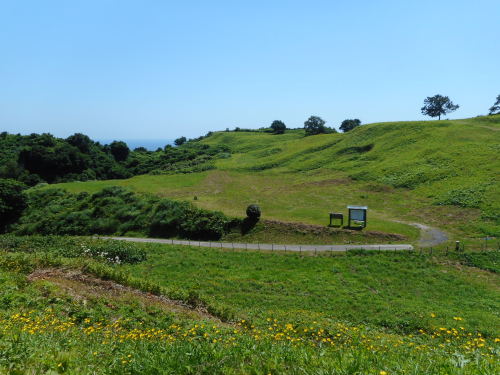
point(116, 210)
point(253, 212)
point(12, 201)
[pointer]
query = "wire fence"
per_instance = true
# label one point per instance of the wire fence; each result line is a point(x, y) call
point(321, 249)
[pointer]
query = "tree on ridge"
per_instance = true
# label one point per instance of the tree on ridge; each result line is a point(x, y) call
point(278, 127)
point(495, 108)
point(315, 125)
point(348, 124)
point(438, 105)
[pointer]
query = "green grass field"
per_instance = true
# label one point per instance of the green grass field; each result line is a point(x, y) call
point(440, 173)
point(204, 311)
point(397, 291)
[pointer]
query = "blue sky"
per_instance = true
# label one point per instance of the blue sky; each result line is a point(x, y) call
point(161, 69)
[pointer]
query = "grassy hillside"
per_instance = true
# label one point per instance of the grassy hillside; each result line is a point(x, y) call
point(393, 291)
point(186, 311)
point(441, 173)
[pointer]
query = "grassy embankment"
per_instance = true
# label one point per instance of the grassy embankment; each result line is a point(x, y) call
point(441, 173)
point(283, 313)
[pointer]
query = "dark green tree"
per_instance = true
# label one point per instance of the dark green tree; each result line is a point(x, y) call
point(180, 141)
point(50, 163)
point(438, 105)
point(12, 202)
point(119, 150)
point(495, 109)
point(81, 141)
point(278, 127)
point(315, 125)
point(348, 124)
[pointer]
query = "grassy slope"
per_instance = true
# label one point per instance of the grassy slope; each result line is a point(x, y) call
point(398, 291)
point(66, 326)
point(410, 167)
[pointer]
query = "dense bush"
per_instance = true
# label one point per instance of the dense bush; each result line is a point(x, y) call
point(253, 212)
point(119, 150)
point(12, 201)
point(116, 210)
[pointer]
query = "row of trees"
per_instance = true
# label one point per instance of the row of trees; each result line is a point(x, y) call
point(434, 106)
point(316, 125)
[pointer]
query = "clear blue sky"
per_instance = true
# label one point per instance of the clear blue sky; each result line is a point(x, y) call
point(160, 69)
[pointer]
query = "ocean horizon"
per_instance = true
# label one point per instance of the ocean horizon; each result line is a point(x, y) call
point(149, 144)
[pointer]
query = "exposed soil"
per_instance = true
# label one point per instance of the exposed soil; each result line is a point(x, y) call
point(320, 230)
point(82, 287)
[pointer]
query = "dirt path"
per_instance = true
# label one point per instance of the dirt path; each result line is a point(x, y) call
point(270, 247)
point(429, 236)
point(81, 286)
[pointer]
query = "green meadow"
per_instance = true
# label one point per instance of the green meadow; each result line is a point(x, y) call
point(440, 173)
point(67, 308)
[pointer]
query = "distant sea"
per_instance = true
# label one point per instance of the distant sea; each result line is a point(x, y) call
point(149, 144)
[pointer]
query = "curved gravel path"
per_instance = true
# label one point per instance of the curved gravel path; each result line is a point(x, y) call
point(271, 247)
point(429, 236)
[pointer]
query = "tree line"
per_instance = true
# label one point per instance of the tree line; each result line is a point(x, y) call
point(434, 106)
point(43, 158)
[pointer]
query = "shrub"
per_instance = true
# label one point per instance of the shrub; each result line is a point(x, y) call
point(12, 201)
point(253, 212)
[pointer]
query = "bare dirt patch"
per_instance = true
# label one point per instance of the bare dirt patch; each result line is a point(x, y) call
point(83, 287)
point(320, 230)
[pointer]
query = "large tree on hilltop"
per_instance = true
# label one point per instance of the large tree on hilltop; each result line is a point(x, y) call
point(278, 127)
point(495, 108)
point(349, 124)
point(315, 125)
point(438, 105)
